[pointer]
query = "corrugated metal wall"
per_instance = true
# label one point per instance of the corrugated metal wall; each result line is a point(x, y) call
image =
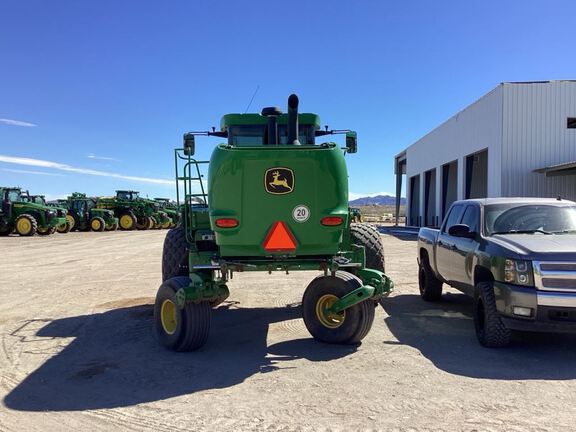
point(535, 135)
point(477, 127)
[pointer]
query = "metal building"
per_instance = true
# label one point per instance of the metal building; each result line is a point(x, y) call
point(517, 140)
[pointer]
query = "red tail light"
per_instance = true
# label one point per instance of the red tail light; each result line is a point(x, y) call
point(226, 223)
point(332, 221)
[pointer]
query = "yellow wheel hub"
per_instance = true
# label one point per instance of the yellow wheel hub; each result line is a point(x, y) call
point(96, 225)
point(328, 319)
point(24, 226)
point(70, 220)
point(126, 222)
point(168, 316)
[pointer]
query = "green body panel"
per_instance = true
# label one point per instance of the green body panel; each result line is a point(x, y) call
point(45, 216)
point(170, 208)
point(84, 208)
point(140, 207)
point(237, 189)
point(61, 211)
point(243, 185)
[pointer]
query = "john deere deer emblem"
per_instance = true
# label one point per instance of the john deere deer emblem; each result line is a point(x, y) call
point(279, 181)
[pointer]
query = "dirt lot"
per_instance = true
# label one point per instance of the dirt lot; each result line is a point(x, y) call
point(77, 353)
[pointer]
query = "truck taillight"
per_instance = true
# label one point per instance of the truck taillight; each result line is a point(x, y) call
point(226, 223)
point(332, 221)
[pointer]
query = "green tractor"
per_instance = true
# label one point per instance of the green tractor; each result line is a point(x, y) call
point(171, 210)
point(132, 211)
point(25, 217)
point(276, 201)
point(162, 219)
point(61, 210)
point(84, 215)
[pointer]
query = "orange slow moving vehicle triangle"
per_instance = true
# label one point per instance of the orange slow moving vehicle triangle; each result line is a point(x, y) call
point(279, 239)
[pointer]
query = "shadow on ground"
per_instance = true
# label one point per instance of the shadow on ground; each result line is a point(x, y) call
point(115, 361)
point(444, 333)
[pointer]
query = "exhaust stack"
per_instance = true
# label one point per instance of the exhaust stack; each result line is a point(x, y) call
point(293, 120)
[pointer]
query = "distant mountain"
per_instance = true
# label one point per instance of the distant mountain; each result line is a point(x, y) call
point(377, 200)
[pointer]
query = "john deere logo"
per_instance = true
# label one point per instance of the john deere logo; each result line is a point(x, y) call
point(279, 181)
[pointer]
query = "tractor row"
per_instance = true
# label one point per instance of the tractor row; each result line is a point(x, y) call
point(26, 214)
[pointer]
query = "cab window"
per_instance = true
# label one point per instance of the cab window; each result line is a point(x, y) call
point(255, 135)
point(453, 217)
point(471, 217)
point(246, 135)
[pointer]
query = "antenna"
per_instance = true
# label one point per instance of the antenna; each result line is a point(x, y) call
point(253, 96)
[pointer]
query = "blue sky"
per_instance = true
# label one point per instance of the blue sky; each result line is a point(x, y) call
point(95, 94)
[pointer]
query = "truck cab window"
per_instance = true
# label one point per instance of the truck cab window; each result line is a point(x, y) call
point(471, 218)
point(453, 217)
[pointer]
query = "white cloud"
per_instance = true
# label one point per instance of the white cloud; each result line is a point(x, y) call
point(86, 171)
point(106, 158)
point(354, 195)
point(31, 172)
point(54, 197)
point(16, 123)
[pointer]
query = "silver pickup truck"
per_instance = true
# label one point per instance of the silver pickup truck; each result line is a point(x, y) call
point(516, 257)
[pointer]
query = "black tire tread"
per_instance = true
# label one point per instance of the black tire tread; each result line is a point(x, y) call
point(134, 221)
point(496, 334)
point(364, 311)
point(432, 290)
point(32, 221)
point(175, 254)
point(194, 319)
point(102, 223)
point(368, 236)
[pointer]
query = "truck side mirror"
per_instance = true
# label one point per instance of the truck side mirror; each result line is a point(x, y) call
point(351, 142)
point(461, 230)
point(189, 144)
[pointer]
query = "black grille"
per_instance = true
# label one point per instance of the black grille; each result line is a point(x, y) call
point(559, 283)
point(558, 266)
point(560, 315)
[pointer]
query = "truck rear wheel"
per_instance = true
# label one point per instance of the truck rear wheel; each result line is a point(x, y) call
point(347, 327)
point(177, 329)
point(26, 225)
point(368, 236)
point(430, 286)
point(175, 254)
point(127, 222)
point(490, 330)
point(97, 224)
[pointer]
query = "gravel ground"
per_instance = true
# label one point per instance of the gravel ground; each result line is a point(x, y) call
point(77, 353)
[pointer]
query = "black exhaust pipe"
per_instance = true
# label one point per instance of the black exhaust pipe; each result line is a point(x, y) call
point(272, 114)
point(293, 120)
